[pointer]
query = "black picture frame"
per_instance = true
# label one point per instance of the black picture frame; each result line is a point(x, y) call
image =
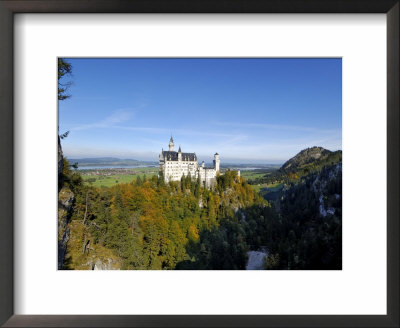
point(10, 7)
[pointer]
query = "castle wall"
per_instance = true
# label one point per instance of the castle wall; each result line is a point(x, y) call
point(173, 170)
point(210, 177)
point(207, 176)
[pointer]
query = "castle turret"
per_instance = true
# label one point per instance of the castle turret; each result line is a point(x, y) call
point(216, 162)
point(171, 144)
point(179, 154)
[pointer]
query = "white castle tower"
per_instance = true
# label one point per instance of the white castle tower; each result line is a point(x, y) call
point(216, 162)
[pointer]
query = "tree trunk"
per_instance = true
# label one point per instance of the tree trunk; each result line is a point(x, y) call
point(84, 246)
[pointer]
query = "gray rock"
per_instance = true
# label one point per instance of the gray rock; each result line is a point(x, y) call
point(65, 201)
point(256, 259)
point(107, 264)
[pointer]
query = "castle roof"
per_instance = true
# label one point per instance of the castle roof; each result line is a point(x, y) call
point(173, 156)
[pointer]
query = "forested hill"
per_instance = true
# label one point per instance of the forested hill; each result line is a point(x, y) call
point(147, 224)
point(309, 159)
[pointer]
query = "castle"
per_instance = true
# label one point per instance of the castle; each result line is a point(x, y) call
point(174, 165)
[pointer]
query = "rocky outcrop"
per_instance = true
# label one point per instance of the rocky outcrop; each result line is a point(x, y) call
point(84, 254)
point(65, 201)
point(106, 264)
point(319, 186)
point(98, 259)
point(256, 259)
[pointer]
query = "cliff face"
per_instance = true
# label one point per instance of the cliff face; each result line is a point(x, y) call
point(65, 201)
point(71, 254)
point(84, 254)
point(75, 244)
point(327, 186)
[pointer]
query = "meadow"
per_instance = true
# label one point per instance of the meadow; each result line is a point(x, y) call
point(111, 177)
point(252, 175)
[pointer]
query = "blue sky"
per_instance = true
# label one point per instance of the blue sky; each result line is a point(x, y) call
point(247, 110)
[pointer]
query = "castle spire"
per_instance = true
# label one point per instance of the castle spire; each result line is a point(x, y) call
point(179, 154)
point(171, 144)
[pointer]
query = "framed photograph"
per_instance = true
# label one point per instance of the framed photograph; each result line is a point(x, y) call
point(139, 203)
point(200, 164)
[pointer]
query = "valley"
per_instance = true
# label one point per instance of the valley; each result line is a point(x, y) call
point(108, 177)
point(264, 218)
point(104, 174)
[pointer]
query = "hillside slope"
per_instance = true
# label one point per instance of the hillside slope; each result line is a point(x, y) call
point(310, 158)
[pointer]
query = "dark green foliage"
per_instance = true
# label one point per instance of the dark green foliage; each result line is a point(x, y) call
point(304, 158)
point(220, 248)
point(299, 237)
point(64, 69)
point(152, 225)
point(64, 135)
point(69, 178)
point(181, 225)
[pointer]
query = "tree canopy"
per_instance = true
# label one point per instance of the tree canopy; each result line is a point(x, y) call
point(64, 69)
point(149, 224)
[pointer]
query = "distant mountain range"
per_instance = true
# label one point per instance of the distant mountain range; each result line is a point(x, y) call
point(306, 160)
point(250, 165)
point(106, 161)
